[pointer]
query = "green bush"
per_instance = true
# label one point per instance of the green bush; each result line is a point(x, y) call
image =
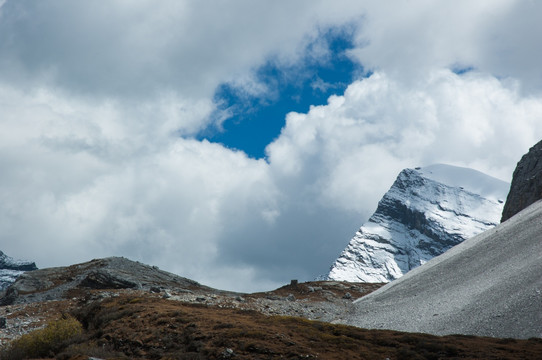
point(44, 342)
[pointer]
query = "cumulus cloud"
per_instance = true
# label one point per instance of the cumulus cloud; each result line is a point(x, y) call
point(99, 106)
point(380, 126)
point(332, 164)
point(409, 39)
point(397, 38)
point(80, 180)
point(118, 48)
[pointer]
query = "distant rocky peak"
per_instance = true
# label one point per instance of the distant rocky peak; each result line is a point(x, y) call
point(526, 187)
point(8, 263)
point(98, 274)
point(425, 212)
point(11, 269)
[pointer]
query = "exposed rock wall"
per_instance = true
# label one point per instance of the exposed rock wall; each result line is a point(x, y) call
point(526, 187)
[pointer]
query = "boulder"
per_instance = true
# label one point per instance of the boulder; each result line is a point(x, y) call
point(9, 297)
point(102, 279)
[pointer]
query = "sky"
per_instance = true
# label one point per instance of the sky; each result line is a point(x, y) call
point(242, 143)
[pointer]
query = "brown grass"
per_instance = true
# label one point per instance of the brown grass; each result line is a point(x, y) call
point(335, 288)
point(56, 336)
point(139, 326)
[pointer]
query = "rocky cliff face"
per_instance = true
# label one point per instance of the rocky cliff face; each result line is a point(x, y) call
point(425, 213)
point(10, 269)
point(526, 185)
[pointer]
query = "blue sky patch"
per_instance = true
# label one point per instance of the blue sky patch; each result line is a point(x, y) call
point(460, 70)
point(254, 121)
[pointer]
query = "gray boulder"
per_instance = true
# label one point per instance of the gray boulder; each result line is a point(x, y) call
point(103, 279)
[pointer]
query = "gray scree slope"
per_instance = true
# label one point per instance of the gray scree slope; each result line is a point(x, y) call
point(489, 285)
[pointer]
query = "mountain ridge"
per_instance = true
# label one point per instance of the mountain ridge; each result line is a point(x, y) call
point(106, 273)
point(11, 269)
point(420, 217)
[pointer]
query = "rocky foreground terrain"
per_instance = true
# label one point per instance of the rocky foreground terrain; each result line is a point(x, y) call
point(125, 309)
point(99, 278)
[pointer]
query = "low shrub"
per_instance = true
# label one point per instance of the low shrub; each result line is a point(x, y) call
point(44, 342)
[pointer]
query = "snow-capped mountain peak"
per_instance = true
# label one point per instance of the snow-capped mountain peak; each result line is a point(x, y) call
point(426, 211)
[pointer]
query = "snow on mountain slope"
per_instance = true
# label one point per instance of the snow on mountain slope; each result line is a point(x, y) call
point(11, 269)
point(426, 212)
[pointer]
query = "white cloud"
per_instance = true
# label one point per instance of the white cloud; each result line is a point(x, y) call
point(351, 149)
point(408, 39)
point(98, 104)
point(79, 181)
point(119, 48)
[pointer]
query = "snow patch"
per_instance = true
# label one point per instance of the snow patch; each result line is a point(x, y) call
point(468, 179)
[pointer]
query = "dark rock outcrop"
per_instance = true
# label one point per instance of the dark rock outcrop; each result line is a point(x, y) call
point(7, 263)
point(108, 273)
point(9, 297)
point(101, 279)
point(11, 269)
point(526, 187)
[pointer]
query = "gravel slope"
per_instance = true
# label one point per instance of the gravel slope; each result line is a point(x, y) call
point(489, 285)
